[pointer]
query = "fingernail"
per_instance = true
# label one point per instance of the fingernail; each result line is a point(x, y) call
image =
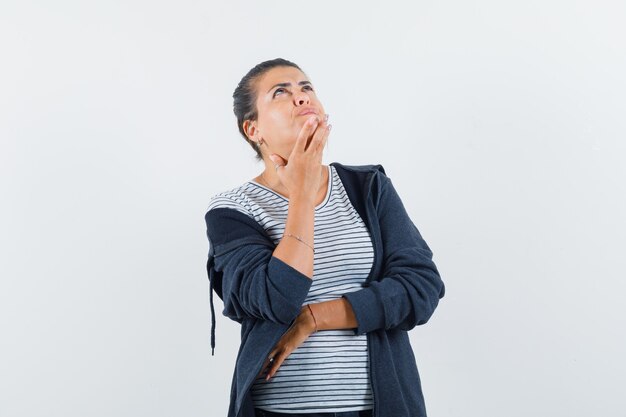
point(330, 127)
point(326, 117)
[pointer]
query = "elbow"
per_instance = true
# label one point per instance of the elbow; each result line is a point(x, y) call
point(274, 292)
point(424, 302)
point(274, 310)
point(286, 289)
point(431, 303)
point(283, 311)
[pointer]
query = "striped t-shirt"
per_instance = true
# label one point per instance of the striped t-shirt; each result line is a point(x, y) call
point(329, 372)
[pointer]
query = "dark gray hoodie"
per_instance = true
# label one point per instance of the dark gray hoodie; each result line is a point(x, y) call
point(265, 294)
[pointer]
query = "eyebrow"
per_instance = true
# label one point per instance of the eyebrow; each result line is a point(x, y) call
point(288, 85)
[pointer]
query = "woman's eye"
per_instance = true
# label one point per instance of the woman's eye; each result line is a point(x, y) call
point(282, 89)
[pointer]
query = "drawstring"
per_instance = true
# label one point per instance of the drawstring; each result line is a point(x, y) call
point(212, 320)
point(212, 313)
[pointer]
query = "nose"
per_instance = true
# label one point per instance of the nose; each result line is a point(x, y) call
point(301, 98)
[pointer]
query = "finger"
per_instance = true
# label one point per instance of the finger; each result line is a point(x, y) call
point(267, 362)
point(327, 135)
point(317, 144)
point(307, 130)
point(322, 145)
point(278, 361)
point(319, 153)
point(278, 161)
point(318, 136)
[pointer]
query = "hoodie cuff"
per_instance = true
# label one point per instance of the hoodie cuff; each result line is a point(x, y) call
point(367, 308)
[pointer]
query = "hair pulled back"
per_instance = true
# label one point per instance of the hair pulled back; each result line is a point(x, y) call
point(244, 96)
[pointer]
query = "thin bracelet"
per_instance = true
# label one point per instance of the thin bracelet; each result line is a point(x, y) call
point(298, 237)
point(313, 315)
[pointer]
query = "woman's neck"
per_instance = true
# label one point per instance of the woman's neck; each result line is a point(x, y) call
point(270, 179)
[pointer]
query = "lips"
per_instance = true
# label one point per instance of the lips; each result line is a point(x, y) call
point(306, 112)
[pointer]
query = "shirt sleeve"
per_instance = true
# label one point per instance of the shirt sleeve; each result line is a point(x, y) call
point(251, 282)
point(410, 287)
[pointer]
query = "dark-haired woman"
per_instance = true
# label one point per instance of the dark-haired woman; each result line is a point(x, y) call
point(320, 264)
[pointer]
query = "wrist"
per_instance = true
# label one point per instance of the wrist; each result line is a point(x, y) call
point(307, 320)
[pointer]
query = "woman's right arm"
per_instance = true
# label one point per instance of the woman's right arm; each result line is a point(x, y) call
point(253, 277)
point(301, 177)
point(251, 282)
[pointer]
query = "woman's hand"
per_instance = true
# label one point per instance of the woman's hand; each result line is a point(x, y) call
point(299, 331)
point(301, 173)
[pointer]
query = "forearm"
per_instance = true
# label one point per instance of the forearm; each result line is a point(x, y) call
point(333, 315)
point(300, 222)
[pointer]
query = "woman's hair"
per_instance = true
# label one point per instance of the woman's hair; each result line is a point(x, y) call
point(244, 97)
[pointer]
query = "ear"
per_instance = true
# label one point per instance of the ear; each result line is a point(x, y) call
point(251, 130)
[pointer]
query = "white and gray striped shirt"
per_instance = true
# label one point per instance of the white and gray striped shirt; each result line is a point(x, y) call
point(329, 372)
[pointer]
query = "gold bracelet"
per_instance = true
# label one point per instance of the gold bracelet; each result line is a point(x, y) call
point(298, 237)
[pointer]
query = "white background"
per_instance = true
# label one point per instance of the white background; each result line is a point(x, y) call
point(501, 124)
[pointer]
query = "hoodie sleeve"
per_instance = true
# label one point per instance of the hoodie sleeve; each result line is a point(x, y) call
point(246, 276)
point(410, 288)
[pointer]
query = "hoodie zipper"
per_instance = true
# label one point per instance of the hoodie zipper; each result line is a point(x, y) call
point(367, 283)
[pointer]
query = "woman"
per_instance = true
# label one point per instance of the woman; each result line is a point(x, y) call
point(320, 264)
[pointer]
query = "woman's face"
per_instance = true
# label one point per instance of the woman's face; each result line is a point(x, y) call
point(285, 100)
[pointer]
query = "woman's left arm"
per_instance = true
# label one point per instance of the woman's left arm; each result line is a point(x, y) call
point(410, 287)
point(405, 296)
